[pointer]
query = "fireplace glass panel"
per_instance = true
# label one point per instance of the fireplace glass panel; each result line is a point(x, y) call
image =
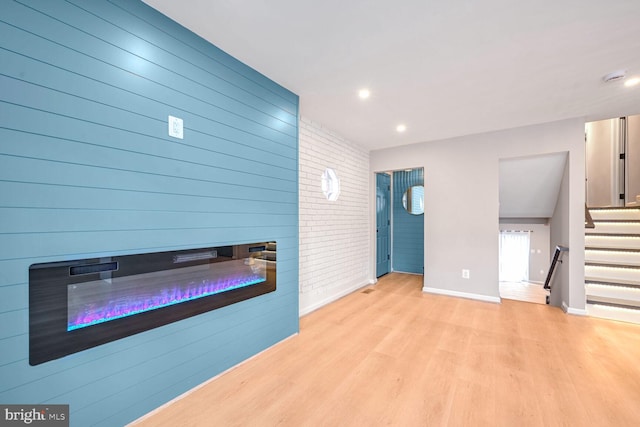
point(78, 304)
point(108, 299)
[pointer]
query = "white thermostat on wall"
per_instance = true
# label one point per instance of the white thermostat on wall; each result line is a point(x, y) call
point(175, 127)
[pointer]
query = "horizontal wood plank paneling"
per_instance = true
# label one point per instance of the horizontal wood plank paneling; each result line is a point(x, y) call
point(13, 348)
point(166, 33)
point(14, 322)
point(93, 20)
point(121, 84)
point(87, 170)
point(13, 168)
point(55, 196)
point(60, 246)
point(59, 24)
point(13, 297)
point(23, 221)
point(32, 108)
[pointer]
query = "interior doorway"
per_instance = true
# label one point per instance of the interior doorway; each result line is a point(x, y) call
point(400, 207)
point(383, 224)
point(523, 255)
point(530, 192)
point(612, 149)
point(407, 250)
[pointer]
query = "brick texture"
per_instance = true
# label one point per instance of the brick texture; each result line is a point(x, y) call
point(334, 236)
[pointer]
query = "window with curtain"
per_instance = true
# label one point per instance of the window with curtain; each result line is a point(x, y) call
point(514, 256)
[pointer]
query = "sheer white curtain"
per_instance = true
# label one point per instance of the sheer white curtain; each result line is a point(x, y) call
point(514, 256)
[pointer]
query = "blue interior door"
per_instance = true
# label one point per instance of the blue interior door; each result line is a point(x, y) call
point(408, 229)
point(383, 224)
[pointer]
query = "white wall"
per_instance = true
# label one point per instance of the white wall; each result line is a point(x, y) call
point(559, 224)
point(335, 244)
point(461, 202)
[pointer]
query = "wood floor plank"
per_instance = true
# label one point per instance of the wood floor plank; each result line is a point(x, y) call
point(397, 356)
point(524, 291)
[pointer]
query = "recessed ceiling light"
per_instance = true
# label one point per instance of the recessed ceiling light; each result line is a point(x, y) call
point(632, 82)
point(364, 93)
point(401, 128)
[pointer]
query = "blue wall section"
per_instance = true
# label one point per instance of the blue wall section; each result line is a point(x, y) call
point(408, 230)
point(87, 169)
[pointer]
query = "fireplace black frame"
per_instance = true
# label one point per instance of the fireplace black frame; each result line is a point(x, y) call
point(49, 336)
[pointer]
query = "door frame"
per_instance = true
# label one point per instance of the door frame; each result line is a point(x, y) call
point(383, 266)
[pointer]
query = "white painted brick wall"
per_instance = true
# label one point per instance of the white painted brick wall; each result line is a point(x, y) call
point(334, 236)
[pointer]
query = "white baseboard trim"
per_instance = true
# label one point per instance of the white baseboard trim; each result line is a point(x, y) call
point(313, 307)
point(574, 311)
point(407, 272)
point(199, 386)
point(458, 294)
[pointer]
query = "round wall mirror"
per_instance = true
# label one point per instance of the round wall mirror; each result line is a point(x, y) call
point(330, 184)
point(413, 200)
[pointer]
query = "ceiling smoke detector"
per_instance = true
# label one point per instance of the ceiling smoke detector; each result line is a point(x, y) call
point(615, 76)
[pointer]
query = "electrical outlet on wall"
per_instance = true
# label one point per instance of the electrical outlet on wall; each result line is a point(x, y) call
point(465, 274)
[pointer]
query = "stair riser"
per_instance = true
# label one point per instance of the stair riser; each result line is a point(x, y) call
point(615, 228)
point(632, 295)
point(632, 214)
point(612, 313)
point(619, 258)
point(605, 274)
point(612, 242)
point(617, 293)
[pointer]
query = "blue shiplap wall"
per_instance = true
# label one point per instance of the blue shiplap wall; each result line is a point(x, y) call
point(87, 169)
point(408, 230)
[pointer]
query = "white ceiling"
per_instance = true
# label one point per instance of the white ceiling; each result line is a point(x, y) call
point(444, 68)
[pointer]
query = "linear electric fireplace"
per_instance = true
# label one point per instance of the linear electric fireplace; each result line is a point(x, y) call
point(76, 305)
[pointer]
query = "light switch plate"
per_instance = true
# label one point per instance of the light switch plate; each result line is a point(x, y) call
point(175, 127)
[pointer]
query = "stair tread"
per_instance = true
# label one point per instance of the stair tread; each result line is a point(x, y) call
point(613, 281)
point(618, 221)
point(613, 208)
point(601, 249)
point(613, 234)
point(610, 264)
point(613, 293)
point(613, 302)
point(613, 290)
point(596, 261)
point(603, 311)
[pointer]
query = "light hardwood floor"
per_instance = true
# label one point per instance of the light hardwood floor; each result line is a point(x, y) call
point(524, 291)
point(399, 357)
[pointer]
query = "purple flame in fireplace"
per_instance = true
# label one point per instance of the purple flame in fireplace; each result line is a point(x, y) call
point(135, 304)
